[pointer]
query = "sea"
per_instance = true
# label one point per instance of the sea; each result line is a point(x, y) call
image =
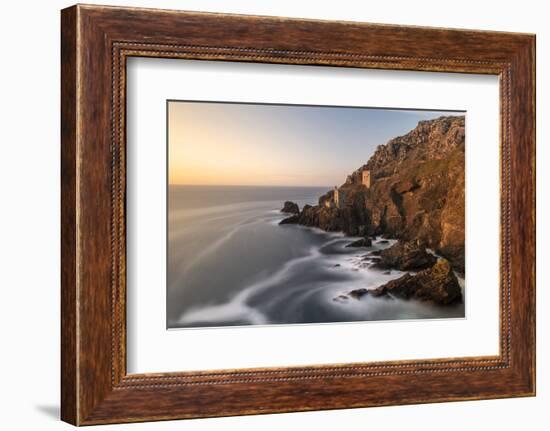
point(230, 263)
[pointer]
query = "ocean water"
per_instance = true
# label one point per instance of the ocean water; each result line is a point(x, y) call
point(231, 263)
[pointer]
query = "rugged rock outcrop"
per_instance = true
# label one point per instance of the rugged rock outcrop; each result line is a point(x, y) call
point(290, 207)
point(293, 219)
point(416, 192)
point(437, 284)
point(405, 256)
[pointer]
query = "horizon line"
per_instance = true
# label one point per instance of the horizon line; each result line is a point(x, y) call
point(246, 185)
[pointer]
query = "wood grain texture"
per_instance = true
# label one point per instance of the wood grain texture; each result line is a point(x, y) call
point(96, 41)
point(69, 367)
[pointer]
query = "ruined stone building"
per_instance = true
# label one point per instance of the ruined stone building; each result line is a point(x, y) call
point(365, 178)
point(338, 197)
point(339, 194)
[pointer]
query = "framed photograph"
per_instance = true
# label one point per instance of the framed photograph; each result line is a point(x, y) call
point(264, 215)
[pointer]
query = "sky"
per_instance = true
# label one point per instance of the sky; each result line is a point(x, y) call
point(213, 143)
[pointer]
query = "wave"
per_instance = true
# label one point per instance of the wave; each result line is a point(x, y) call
point(328, 275)
point(237, 308)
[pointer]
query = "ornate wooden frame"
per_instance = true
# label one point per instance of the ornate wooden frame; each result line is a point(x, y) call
point(95, 42)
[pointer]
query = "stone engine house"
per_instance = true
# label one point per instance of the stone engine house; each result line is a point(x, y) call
point(339, 194)
point(365, 178)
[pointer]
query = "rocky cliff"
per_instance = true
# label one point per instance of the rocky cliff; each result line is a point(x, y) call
point(416, 192)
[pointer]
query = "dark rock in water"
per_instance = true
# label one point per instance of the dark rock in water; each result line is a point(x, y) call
point(341, 298)
point(290, 220)
point(337, 265)
point(327, 219)
point(406, 255)
point(363, 242)
point(370, 259)
point(378, 292)
point(291, 208)
point(437, 284)
point(387, 272)
point(383, 241)
point(358, 293)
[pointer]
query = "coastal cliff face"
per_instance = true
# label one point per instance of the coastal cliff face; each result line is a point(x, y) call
point(416, 192)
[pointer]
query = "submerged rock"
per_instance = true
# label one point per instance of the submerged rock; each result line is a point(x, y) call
point(405, 256)
point(437, 284)
point(290, 220)
point(363, 242)
point(341, 298)
point(290, 207)
point(361, 292)
point(358, 293)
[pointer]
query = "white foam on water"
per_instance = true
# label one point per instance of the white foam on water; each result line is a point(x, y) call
point(237, 308)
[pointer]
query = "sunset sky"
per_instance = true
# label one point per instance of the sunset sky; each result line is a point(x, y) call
point(277, 145)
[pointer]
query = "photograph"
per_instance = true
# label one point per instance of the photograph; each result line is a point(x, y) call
point(282, 214)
